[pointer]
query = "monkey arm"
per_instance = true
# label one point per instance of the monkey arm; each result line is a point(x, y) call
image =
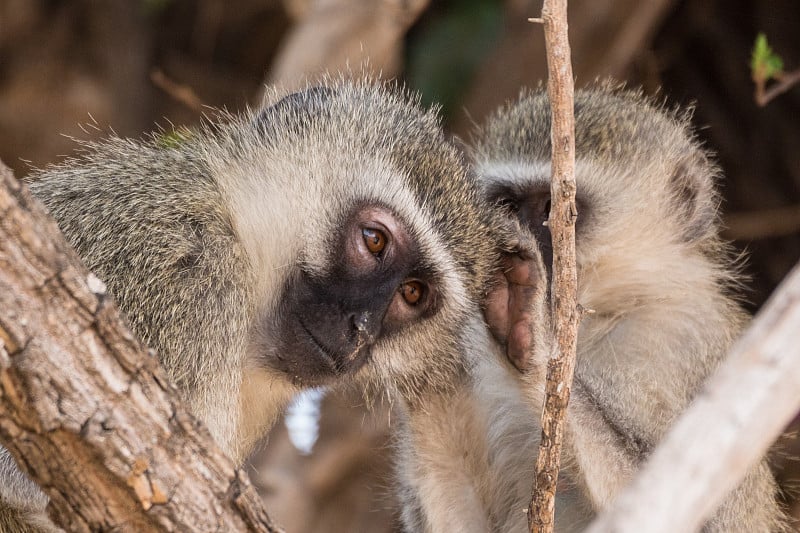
point(612, 429)
point(602, 460)
point(597, 457)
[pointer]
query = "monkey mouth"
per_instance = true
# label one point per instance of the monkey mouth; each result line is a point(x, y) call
point(320, 350)
point(334, 362)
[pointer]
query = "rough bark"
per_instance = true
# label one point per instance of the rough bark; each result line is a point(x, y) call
point(728, 428)
point(560, 367)
point(86, 412)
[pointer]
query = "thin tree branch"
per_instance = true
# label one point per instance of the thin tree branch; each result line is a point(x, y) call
point(178, 92)
point(785, 82)
point(561, 367)
point(728, 428)
point(85, 411)
point(764, 224)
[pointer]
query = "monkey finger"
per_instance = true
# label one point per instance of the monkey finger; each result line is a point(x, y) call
point(521, 299)
point(495, 310)
point(522, 271)
point(519, 347)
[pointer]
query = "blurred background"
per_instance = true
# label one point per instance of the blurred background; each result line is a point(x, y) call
point(83, 68)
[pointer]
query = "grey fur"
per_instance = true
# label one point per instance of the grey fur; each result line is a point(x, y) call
point(652, 268)
point(21, 502)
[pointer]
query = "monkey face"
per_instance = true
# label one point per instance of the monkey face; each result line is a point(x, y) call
point(645, 189)
point(374, 287)
point(530, 204)
point(523, 193)
point(366, 237)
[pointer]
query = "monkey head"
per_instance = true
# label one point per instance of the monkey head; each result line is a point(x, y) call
point(336, 233)
point(645, 189)
point(365, 231)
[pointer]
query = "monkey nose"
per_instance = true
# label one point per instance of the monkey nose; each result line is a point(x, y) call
point(361, 322)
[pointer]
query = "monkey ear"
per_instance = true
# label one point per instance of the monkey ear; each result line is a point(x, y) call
point(694, 196)
point(306, 102)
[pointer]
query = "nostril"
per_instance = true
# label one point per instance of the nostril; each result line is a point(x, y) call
point(360, 321)
point(363, 329)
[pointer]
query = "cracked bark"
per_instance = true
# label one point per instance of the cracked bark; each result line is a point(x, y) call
point(85, 411)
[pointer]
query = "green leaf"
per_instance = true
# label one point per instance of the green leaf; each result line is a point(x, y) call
point(154, 7)
point(765, 64)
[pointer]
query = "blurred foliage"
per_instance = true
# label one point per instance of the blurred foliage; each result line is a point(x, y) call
point(447, 47)
point(154, 7)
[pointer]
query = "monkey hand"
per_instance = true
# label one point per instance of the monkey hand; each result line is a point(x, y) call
point(516, 307)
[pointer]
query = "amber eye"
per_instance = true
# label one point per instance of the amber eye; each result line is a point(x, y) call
point(412, 291)
point(374, 239)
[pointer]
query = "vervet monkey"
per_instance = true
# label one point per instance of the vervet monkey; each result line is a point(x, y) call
point(335, 234)
point(652, 269)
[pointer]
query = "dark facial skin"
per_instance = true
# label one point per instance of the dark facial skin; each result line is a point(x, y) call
point(531, 206)
point(375, 288)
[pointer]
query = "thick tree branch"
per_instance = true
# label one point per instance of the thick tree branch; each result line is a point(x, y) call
point(561, 367)
point(728, 428)
point(86, 412)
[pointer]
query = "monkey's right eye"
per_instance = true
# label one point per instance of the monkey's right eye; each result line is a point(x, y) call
point(412, 291)
point(375, 240)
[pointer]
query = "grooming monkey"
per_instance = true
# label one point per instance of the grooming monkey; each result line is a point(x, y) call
point(652, 268)
point(335, 234)
point(259, 234)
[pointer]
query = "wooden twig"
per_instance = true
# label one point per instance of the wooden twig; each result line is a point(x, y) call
point(86, 412)
point(764, 224)
point(783, 83)
point(561, 367)
point(728, 428)
point(180, 93)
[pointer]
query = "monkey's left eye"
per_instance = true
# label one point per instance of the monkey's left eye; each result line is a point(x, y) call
point(412, 291)
point(374, 239)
